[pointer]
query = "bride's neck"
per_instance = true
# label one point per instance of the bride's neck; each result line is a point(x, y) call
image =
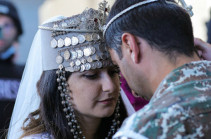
point(89, 126)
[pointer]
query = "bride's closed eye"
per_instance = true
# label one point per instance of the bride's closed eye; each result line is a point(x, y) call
point(90, 76)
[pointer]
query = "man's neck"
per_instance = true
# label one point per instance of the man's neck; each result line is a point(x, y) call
point(163, 66)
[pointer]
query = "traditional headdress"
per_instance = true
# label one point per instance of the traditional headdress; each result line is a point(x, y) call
point(76, 43)
point(139, 4)
point(67, 44)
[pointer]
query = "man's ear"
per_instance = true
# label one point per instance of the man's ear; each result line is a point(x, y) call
point(131, 44)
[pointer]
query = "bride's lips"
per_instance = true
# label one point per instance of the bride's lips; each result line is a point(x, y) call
point(107, 101)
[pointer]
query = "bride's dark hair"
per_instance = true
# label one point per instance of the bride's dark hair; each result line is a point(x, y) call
point(50, 116)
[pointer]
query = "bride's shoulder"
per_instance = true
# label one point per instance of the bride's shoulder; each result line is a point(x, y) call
point(39, 136)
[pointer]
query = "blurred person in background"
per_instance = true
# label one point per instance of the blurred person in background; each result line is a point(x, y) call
point(10, 73)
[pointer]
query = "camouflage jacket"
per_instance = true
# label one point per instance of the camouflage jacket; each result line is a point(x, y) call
point(180, 107)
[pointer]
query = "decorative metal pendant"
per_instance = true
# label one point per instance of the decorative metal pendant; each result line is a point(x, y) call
point(72, 63)
point(81, 38)
point(74, 55)
point(54, 43)
point(95, 37)
point(64, 24)
point(59, 59)
point(87, 66)
point(97, 57)
point(80, 53)
point(83, 60)
point(82, 68)
point(78, 63)
point(74, 40)
point(89, 59)
point(99, 64)
point(60, 43)
point(88, 37)
point(66, 55)
point(76, 68)
point(93, 65)
point(93, 50)
point(67, 41)
point(87, 51)
point(70, 69)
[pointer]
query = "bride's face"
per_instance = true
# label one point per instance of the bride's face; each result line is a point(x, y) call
point(95, 92)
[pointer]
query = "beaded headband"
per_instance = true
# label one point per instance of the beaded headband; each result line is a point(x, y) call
point(184, 5)
point(76, 42)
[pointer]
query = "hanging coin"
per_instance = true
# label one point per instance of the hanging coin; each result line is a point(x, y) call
point(73, 55)
point(95, 37)
point(80, 53)
point(93, 65)
point(89, 59)
point(83, 19)
point(54, 43)
point(74, 40)
point(66, 55)
point(82, 68)
point(83, 60)
point(60, 43)
point(64, 24)
point(81, 38)
point(67, 41)
point(76, 68)
point(87, 51)
point(97, 57)
point(87, 66)
point(93, 50)
point(70, 69)
point(88, 37)
point(77, 62)
point(72, 63)
point(59, 59)
point(99, 64)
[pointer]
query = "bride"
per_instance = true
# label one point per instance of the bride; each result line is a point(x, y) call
point(70, 88)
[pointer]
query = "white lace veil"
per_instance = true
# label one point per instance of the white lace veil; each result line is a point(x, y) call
point(27, 99)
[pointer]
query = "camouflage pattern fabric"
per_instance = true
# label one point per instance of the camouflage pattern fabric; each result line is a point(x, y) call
point(180, 107)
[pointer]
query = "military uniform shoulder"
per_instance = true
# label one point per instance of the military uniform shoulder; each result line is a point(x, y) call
point(156, 122)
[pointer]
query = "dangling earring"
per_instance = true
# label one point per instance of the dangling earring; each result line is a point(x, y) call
point(68, 109)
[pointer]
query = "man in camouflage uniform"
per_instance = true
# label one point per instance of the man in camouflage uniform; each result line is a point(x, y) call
point(181, 106)
point(154, 48)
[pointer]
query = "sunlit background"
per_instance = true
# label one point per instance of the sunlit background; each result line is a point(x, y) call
point(34, 12)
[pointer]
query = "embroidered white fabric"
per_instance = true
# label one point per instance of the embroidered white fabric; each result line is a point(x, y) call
point(27, 99)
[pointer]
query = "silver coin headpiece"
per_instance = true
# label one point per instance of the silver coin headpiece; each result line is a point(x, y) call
point(76, 42)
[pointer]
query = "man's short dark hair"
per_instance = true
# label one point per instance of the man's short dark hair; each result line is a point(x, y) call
point(166, 27)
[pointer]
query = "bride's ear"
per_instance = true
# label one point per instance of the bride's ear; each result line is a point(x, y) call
point(130, 45)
